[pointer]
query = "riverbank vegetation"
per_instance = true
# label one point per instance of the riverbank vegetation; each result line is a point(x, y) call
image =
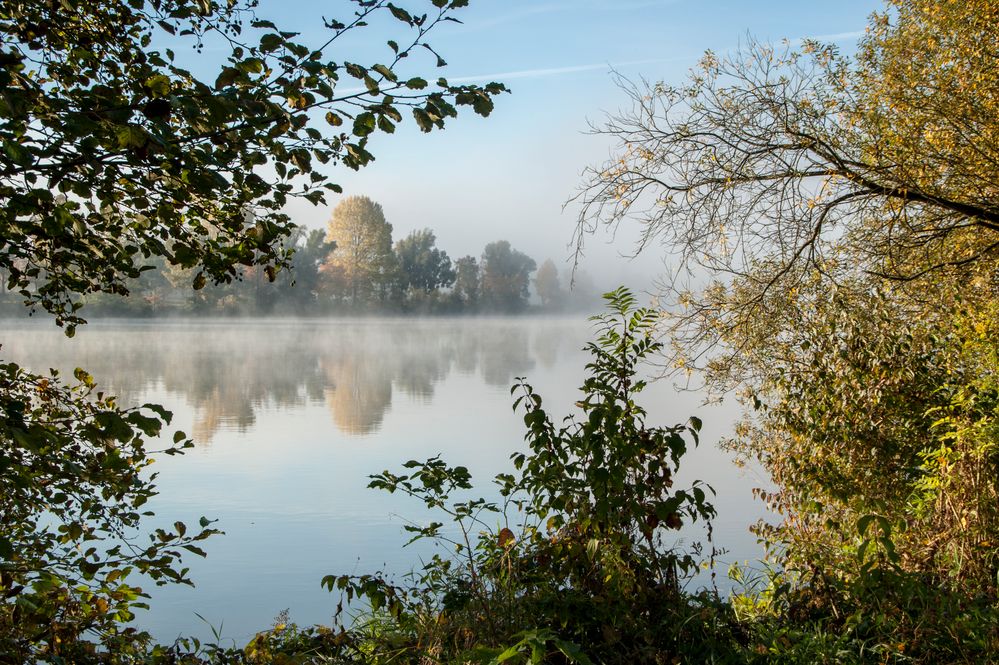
point(842, 213)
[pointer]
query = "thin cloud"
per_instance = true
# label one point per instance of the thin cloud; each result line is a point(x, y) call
point(837, 36)
point(547, 71)
point(635, 4)
point(557, 71)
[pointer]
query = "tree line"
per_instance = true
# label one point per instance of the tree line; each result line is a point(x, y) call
point(354, 266)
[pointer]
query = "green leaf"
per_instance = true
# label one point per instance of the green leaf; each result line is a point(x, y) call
point(386, 72)
point(300, 159)
point(114, 425)
point(864, 523)
point(423, 120)
point(270, 42)
point(401, 14)
point(227, 77)
point(512, 652)
point(83, 377)
point(483, 105)
point(159, 85)
point(251, 65)
point(149, 426)
point(385, 125)
point(354, 70)
point(17, 153)
point(364, 124)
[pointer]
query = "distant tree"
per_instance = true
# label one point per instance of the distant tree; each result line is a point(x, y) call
point(505, 277)
point(312, 249)
point(149, 290)
point(547, 285)
point(363, 248)
point(421, 265)
point(467, 282)
point(332, 283)
point(179, 278)
point(292, 291)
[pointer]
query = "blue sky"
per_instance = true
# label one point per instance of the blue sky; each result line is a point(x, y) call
point(508, 176)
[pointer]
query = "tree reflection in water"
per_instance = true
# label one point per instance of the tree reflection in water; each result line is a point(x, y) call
point(228, 370)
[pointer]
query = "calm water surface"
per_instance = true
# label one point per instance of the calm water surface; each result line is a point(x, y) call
point(290, 417)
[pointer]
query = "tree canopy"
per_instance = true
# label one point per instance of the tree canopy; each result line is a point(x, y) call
point(467, 281)
point(505, 277)
point(776, 162)
point(113, 153)
point(421, 264)
point(547, 285)
point(363, 260)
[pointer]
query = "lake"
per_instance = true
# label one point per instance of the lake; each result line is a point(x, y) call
point(291, 416)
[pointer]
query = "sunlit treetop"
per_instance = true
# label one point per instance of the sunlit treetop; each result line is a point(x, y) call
point(929, 91)
point(113, 153)
point(363, 240)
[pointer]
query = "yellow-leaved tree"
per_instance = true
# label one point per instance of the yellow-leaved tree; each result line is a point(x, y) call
point(363, 258)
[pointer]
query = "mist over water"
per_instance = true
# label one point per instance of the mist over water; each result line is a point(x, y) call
point(291, 416)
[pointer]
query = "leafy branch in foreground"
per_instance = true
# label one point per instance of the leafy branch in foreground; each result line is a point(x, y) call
point(115, 159)
point(73, 483)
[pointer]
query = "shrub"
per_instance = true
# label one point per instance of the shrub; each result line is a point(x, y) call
point(582, 564)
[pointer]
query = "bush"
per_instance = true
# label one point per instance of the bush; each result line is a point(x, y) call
point(582, 565)
point(72, 485)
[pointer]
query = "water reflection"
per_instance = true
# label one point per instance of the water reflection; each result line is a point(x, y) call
point(358, 390)
point(227, 371)
point(265, 395)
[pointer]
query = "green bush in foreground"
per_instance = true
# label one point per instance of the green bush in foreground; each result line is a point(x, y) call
point(579, 558)
point(575, 567)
